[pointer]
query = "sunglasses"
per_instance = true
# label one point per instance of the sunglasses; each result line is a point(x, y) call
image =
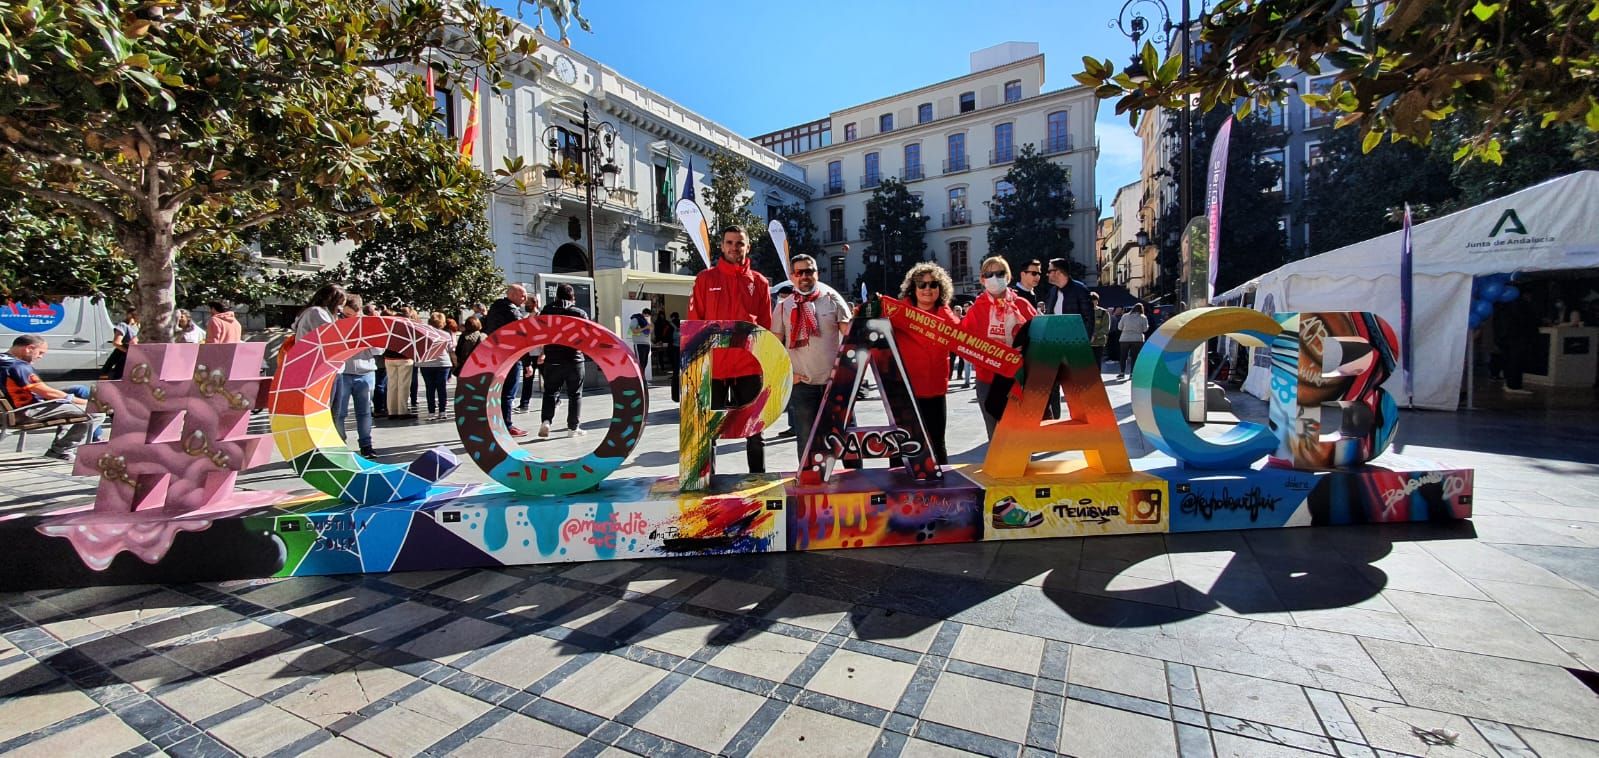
point(805, 272)
point(928, 286)
point(1034, 272)
point(993, 275)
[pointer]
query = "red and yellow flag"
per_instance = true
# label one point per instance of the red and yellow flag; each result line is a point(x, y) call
point(469, 135)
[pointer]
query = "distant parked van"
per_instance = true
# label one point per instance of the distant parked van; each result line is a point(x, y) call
point(79, 331)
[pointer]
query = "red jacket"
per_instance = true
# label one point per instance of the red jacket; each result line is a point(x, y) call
point(977, 322)
point(726, 292)
point(926, 362)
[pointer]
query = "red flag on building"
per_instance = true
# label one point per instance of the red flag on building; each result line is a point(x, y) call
point(469, 135)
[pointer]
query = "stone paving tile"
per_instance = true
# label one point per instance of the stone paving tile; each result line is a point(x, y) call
point(1550, 610)
point(1516, 692)
point(999, 649)
point(1088, 730)
point(338, 747)
point(522, 661)
point(1264, 701)
point(262, 730)
point(1476, 626)
point(1119, 672)
point(1475, 560)
point(984, 707)
point(476, 586)
point(1272, 651)
point(1549, 744)
point(417, 722)
point(863, 678)
point(453, 640)
point(810, 611)
point(201, 698)
point(336, 696)
point(802, 731)
point(517, 735)
point(1586, 651)
point(392, 622)
point(1360, 622)
point(606, 686)
point(680, 634)
point(680, 716)
point(24, 715)
point(1417, 731)
point(768, 656)
point(106, 735)
point(1234, 746)
point(903, 630)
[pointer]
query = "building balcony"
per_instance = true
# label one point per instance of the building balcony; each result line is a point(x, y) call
point(833, 188)
point(1056, 145)
point(912, 173)
point(834, 238)
point(1004, 155)
point(871, 180)
point(956, 165)
point(961, 217)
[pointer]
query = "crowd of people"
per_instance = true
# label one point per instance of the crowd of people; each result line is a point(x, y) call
point(809, 317)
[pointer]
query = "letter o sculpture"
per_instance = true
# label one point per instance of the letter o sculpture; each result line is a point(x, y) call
point(302, 425)
point(482, 426)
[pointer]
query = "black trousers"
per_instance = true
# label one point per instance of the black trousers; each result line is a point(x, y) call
point(643, 353)
point(935, 419)
point(563, 377)
point(731, 393)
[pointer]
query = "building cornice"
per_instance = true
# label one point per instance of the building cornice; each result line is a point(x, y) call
point(1023, 63)
point(938, 126)
point(649, 123)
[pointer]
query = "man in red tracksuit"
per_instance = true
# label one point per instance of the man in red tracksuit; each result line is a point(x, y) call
point(732, 291)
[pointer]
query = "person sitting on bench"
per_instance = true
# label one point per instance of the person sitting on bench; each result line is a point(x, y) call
point(36, 401)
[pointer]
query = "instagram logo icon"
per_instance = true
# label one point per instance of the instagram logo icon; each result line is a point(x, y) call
point(1143, 507)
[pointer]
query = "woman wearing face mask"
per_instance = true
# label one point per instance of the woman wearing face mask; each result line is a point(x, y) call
point(998, 315)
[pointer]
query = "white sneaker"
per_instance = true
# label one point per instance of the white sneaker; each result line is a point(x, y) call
point(1510, 391)
point(578, 433)
point(544, 430)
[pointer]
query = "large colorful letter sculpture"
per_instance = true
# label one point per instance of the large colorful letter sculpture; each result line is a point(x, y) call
point(700, 422)
point(1361, 346)
point(1157, 383)
point(1058, 352)
point(303, 427)
point(482, 426)
point(180, 440)
point(833, 439)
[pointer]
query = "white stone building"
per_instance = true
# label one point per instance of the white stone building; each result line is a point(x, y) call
point(952, 143)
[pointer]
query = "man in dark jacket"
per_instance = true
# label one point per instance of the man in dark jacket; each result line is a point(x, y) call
point(502, 312)
point(733, 291)
point(563, 367)
point(1029, 285)
point(1067, 295)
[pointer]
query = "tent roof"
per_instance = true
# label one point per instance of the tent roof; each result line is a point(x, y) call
point(1549, 226)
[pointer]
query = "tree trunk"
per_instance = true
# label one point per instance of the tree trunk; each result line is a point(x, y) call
point(153, 297)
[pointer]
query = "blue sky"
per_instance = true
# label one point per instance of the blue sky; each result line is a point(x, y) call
point(757, 67)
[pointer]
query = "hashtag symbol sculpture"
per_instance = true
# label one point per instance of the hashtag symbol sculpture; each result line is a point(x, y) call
point(181, 432)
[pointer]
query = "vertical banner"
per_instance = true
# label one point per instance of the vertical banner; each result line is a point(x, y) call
point(1216, 183)
point(469, 134)
point(1406, 293)
point(693, 221)
point(779, 241)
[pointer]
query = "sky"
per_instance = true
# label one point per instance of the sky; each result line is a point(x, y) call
point(756, 67)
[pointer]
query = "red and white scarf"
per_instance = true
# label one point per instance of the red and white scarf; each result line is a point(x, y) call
point(1004, 318)
point(802, 321)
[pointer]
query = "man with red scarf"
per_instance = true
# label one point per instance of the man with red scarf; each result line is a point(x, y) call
point(733, 291)
point(810, 323)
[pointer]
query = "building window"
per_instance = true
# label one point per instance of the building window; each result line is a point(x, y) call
point(849, 132)
point(924, 113)
point(1313, 157)
point(1318, 85)
point(960, 267)
point(836, 272)
point(568, 146)
point(1273, 114)
point(1056, 140)
point(968, 102)
point(835, 178)
point(835, 225)
point(663, 261)
point(1276, 157)
point(885, 122)
point(957, 153)
point(1013, 90)
point(872, 177)
point(1004, 147)
point(913, 162)
point(1003, 188)
point(663, 193)
point(958, 214)
point(444, 112)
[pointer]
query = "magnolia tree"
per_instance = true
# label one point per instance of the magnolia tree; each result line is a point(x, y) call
point(173, 124)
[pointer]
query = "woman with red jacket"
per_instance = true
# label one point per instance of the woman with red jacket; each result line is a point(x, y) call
point(998, 315)
point(927, 286)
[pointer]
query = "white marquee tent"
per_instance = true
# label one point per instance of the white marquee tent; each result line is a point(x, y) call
point(1549, 227)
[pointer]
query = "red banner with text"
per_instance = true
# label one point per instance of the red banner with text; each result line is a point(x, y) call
point(999, 358)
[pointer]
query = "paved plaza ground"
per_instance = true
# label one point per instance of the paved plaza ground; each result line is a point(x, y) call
point(1472, 638)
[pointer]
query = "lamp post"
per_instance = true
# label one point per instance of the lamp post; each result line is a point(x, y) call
point(590, 157)
point(1135, 25)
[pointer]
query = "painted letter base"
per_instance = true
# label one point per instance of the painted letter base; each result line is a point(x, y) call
point(258, 534)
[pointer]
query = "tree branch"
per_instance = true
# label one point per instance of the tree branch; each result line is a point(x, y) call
point(36, 150)
point(82, 203)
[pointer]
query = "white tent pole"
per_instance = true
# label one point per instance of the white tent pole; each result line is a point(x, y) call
point(1471, 374)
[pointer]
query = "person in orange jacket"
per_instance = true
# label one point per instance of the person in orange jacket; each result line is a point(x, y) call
point(733, 291)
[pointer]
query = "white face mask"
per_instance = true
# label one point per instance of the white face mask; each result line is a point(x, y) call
point(995, 287)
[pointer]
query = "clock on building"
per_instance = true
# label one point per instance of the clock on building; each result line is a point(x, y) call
point(565, 70)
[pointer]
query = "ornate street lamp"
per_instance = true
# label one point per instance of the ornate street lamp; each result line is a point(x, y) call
point(1135, 25)
point(587, 160)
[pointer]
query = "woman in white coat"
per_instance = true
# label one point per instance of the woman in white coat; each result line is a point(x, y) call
point(1133, 325)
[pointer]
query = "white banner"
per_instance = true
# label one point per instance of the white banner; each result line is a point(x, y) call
point(693, 221)
point(780, 241)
